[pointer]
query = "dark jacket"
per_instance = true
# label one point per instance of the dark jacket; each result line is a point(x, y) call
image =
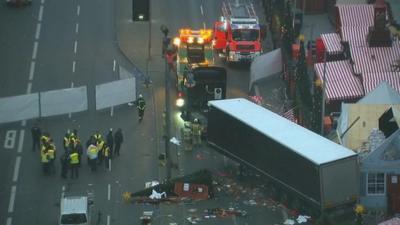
point(118, 137)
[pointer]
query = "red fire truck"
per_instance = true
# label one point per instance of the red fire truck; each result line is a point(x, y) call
point(237, 34)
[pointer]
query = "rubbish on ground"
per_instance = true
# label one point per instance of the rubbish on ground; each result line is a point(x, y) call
point(151, 184)
point(289, 222)
point(302, 219)
point(175, 141)
point(156, 195)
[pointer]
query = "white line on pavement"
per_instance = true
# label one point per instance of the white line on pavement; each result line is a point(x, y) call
point(41, 13)
point(16, 168)
point(21, 140)
point(29, 88)
point(75, 46)
point(112, 111)
point(42, 2)
point(70, 114)
point(78, 10)
point(9, 221)
point(76, 27)
point(12, 199)
point(38, 28)
point(204, 25)
point(109, 168)
point(114, 64)
point(109, 192)
point(35, 48)
point(73, 66)
point(32, 70)
point(23, 123)
point(108, 219)
point(62, 191)
point(201, 9)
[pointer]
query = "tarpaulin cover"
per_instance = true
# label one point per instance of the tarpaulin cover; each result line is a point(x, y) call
point(115, 93)
point(63, 101)
point(265, 65)
point(18, 108)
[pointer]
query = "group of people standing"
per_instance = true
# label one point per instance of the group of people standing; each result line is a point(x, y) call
point(98, 150)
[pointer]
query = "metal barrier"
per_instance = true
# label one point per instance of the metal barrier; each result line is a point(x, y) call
point(58, 102)
point(115, 93)
point(18, 108)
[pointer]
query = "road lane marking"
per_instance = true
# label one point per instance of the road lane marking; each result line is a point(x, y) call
point(35, 48)
point(38, 28)
point(41, 13)
point(109, 192)
point(9, 141)
point(42, 2)
point(23, 123)
point(70, 114)
point(12, 199)
point(21, 140)
point(114, 64)
point(78, 10)
point(204, 25)
point(9, 221)
point(112, 112)
point(75, 46)
point(201, 9)
point(16, 168)
point(73, 66)
point(108, 219)
point(63, 191)
point(32, 70)
point(29, 88)
point(76, 27)
point(109, 168)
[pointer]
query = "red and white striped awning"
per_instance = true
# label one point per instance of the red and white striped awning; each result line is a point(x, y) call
point(375, 59)
point(372, 80)
point(341, 84)
point(356, 36)
point(356, 15)
point(332, 43)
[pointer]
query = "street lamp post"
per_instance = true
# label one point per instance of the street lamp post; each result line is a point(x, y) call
point(167, 121)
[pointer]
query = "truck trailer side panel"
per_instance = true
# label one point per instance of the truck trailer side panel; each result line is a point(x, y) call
point(236, 139)
point(333, 175)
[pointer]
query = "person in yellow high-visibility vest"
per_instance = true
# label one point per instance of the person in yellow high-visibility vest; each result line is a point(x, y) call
point(92, 154)
point(44, 160)
point(74, 164)
point(51, 155)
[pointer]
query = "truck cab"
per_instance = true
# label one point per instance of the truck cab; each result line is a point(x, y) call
point(75, 210)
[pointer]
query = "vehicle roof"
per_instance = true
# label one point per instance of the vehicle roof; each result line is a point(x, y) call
point(297, 138)
point(74, 204)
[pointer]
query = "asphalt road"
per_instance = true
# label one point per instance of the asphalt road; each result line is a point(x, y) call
point(75, 45)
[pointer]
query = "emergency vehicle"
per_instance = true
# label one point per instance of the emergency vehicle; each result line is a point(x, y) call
point(237, 34)
point(194, 48)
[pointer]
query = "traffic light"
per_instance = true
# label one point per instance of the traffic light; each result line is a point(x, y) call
point(140, 10)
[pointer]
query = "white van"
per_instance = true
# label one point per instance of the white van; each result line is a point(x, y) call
point(75, 210)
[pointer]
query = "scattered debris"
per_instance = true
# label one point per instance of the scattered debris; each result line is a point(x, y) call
point(175, 141)
point(302, 219)
point(289, 222)
point(156, 195)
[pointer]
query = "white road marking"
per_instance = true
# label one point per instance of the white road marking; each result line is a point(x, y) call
point(109, 168)
point(62, 191)
point(16, 168)
point(21, 140)
point(29, 88)
point(78, 10)
point(76, 27)
point(38, 28)
point(204, 25)
point(201, 9)
point(108, 219)
point(109, 192)
point(112, 111)
point(41, 13)
point(9, 221)
point(35, 48)
point(12, 199)
point(9, 140)
point(32, 70)
point(70, 114)
point(42, 2)
point(114, 64)
point(75, 46)
point(73, 66)
point(23, 123)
